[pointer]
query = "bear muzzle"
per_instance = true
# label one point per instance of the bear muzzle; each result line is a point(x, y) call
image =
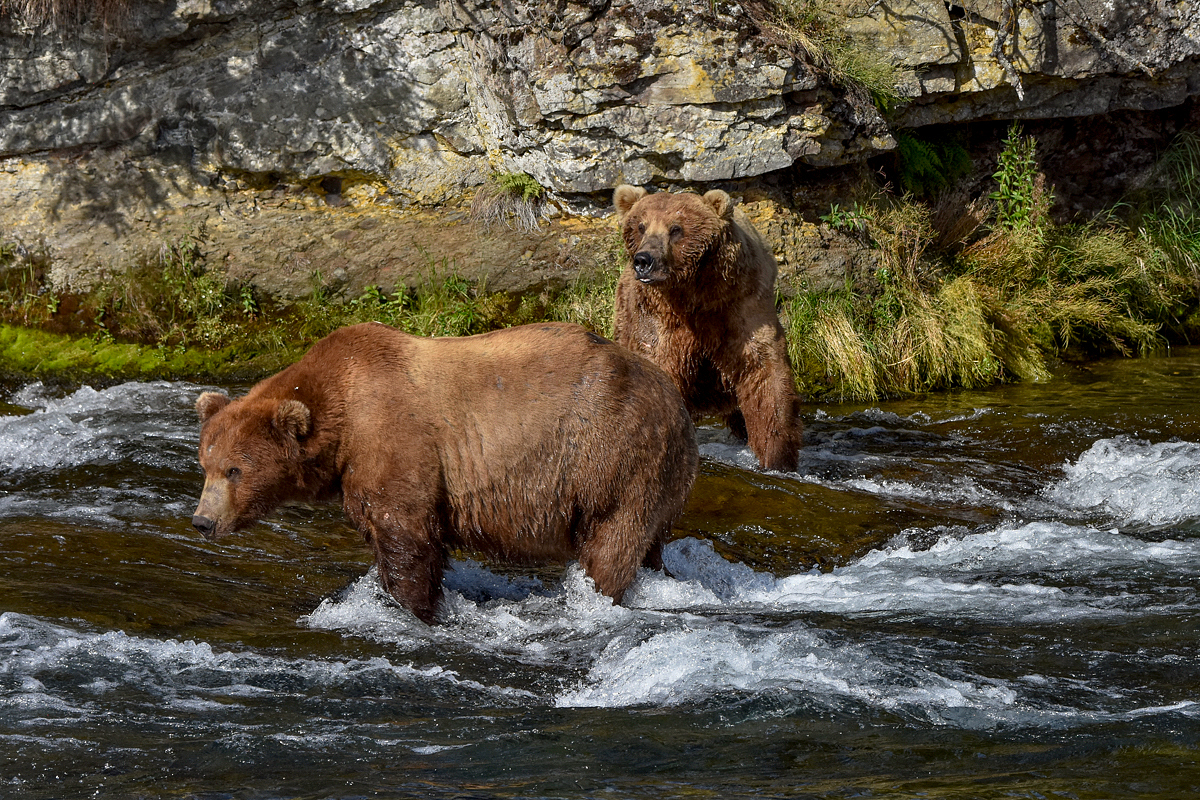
point(206, 526)
point(646, 268)
point(213, 507)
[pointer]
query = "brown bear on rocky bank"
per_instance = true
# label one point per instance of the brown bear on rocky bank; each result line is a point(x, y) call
point(698, 299)
point(538, 443)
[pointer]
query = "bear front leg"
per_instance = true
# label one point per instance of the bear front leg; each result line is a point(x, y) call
point(395, 505)
point(410, 570)
point(653, 558)
point(736, 422)
point(767, 398)
point(407, 542)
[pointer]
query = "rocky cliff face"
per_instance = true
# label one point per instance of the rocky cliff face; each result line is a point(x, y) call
point(292, 138)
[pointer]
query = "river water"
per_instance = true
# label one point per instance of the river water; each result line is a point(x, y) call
point(974, 594)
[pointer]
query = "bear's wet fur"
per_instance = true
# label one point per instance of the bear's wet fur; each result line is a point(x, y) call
point(698, 299)
point(533, 444)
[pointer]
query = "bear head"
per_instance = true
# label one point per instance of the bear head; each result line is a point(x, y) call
point(250, 450)
point(669, 235)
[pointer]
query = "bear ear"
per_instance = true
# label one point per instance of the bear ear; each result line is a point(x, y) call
point(209, 403)
point(721, 203)
point(625, 196)
point(292, 418)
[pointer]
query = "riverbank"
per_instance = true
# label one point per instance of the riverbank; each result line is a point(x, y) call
point(961, 292)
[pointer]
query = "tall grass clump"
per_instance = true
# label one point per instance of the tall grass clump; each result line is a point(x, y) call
point(1168, 218)
point(997, 293)
point(512, 198)
point(1100, 286)
point(918, 329)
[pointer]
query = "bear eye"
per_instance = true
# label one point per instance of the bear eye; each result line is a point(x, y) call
point(233, 473)
point(676, 231)
point(641, 227)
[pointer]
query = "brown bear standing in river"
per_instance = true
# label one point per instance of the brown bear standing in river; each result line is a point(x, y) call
point(698, 299)
point(538, 443)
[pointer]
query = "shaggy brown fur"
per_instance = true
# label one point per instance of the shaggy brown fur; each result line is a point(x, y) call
point(533, 444)
point(698, 299)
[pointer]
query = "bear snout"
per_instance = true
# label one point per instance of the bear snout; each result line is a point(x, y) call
point(205, 525)
point(645, 267)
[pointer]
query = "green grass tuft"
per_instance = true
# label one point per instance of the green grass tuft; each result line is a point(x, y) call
point(812, 30)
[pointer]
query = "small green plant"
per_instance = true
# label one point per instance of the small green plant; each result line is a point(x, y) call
point(854, 219)
point(519, 184)
point(247, 302)
point(927, 166)
point(1022, 200)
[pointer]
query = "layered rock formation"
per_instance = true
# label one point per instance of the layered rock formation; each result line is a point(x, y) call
point(300, 139)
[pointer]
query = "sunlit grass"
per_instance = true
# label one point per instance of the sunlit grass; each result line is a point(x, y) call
point(170, 317)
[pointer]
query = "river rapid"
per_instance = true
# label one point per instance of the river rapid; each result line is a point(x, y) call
point(969, 595)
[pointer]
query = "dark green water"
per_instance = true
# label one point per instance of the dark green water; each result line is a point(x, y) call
point(973, 595)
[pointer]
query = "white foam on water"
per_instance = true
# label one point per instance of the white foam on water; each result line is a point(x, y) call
point(1134, 482)
point(842, 452)
point(139, 420)
point(740, 456)
point(509, 618)
point(430, 749)
point(958, 489)
point(49, 440)
point(99, 505)
point(182, 674)
point(135, 397)
point(707, 657)
point(979, 575)
point(689, 666)
point(695, 637)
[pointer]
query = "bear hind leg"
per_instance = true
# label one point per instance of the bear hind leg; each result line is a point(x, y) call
point(616, 547)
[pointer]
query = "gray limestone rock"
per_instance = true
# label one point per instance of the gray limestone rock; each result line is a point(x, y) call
point(114, 137)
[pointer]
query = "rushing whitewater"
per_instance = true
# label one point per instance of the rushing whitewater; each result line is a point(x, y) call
point(1028, 578)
